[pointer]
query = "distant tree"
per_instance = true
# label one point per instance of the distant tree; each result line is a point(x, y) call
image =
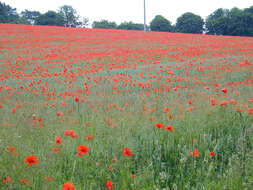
point(30, 16)
point(84, 22)
point(248, 18)
point(237, 23)
point(218, 22)
point(104, 24)
point(70, 16)
point(50, 18)
point(190, 23)
point(8, 14)
point(234, 22)
point(159, 23)
point(130, 26)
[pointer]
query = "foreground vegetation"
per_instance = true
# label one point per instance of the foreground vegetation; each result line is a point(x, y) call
point(108, 109)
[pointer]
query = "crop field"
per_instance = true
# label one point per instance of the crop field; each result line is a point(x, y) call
point(95, 109)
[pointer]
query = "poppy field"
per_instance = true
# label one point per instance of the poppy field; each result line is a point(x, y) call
point(112, 109)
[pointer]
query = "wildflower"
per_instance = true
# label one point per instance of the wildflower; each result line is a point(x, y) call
point(25, 181)
point(89, 137)
point(83, 150)
point(77, 99)
point(110, 185)
point(110, 167)
point(10, 149)
point(159, 125)
point(68, 186)
point(59, 114)
point(212, 153)
point(224, 103)
point(7, 180)
point(195, 153)
point(250, 111)
point(56, 150)
point(14, 110)
point(32, 160)
point(49, 178)
point(224, 90)
point(213, 102)
point(169, 128)
point(127, 152)
point(133, 175)
point(166, 110)
point(58, 140)
point(71, 133)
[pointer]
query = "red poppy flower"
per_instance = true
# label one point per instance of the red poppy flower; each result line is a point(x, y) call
point(159, 125)
point(56, 150)
point(127, 152)
point(83, 150)
point(212, 153)
point(110, 185)
point(68, 186)
point(195, 153)
point(224, 103)
point(25, 181)
point(71, 133)
point(214, 102)
point(7, 180)
point(32, 160)
point(89, 137)
point(225, 90)
point(169, 128)
point(58, 140)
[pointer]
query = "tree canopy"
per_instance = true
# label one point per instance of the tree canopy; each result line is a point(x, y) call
point(130, 26)
point(234, 22)
point(159, 23)
point(69, 16)
point(190, 23)
point(8, 14)
point(104, 24)
point(30, 16)
point(50, 18)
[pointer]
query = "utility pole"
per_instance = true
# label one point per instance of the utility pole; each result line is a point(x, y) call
point(145, 28)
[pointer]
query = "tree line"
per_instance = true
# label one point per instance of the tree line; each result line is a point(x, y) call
point(236, 22)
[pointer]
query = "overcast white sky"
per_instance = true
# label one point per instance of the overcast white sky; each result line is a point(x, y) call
point(130, 10)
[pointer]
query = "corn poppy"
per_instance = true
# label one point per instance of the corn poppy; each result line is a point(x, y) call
point(32, 160)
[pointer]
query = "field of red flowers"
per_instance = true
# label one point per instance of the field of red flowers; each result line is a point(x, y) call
point(114, 109)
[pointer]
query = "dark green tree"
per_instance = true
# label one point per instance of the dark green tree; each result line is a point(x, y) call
point(248, 18)
point(70, 16)
point(8, 14)
point(104, 24)
point(130, 26)
point(190, 23)
point(218, 22)
point(30, 16)
point(50, 18)
point(159, 23)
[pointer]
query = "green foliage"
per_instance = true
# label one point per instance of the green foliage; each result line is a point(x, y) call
point(104, 24)
point(70, 16)
point(234, 22)
point(159, 23)
point(190, 23)
point(130, 26)
point(30, 16)
point(8, 14)
point(50, 18)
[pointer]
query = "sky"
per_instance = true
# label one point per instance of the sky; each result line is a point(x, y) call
point(130, 10)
